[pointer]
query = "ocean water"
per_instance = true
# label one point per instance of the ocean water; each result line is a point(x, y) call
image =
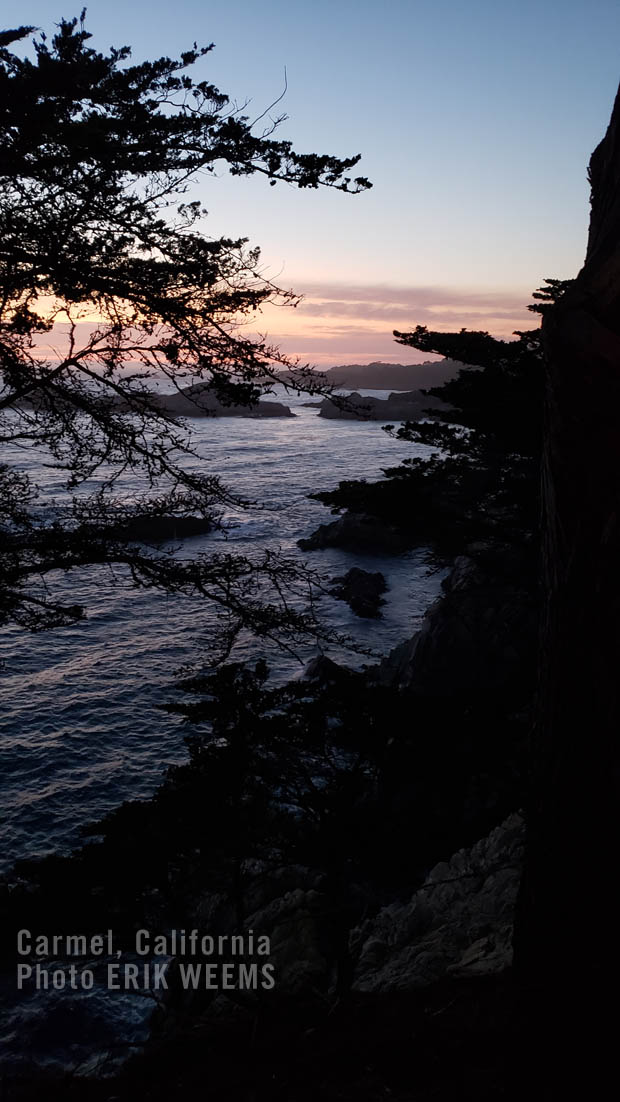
point(81, 724)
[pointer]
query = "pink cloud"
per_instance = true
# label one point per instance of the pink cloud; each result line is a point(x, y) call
point(345, 323)
point(382, 300)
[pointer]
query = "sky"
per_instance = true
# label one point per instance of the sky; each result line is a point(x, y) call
point(475, 121)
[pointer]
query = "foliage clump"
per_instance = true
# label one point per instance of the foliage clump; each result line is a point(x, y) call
point(480, 480)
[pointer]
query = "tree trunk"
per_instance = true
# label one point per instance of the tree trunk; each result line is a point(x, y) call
point(567, 937)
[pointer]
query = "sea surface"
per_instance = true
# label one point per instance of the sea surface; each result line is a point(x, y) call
point(81, 724)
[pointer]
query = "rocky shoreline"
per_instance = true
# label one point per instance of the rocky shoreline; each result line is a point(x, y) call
point(442, 919)
point(398, 406)
point(455, 925)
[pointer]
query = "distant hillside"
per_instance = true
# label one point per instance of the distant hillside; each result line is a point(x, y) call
point(383, 376)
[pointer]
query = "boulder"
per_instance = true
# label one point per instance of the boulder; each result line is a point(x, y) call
point(356, 532)
point(361, 590)
point(324, 671)
point(159, 529)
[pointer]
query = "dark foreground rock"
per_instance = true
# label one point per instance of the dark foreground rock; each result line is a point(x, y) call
point(458, 923)
point(362, 591)
point(427, 1018)
point(390, 967)
point(356, 532)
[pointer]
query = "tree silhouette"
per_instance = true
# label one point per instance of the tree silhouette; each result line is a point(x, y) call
point(103, 257)
point(481, 480)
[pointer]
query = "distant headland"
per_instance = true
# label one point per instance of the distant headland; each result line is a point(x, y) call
point(387, 376)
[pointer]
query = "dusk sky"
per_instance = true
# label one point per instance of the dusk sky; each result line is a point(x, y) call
point(475, 122)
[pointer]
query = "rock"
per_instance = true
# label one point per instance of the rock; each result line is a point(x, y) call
point(480, 635)
point(357, 532)
point(159, 529)
point(458, 923)
point(322, 670)
point(409, 406)
point(361, 590)
point(295, 926)
point(486, 956)
point(200, 401)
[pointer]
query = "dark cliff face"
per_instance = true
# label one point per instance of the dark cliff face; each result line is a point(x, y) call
point(479, 636)
point(575, 812)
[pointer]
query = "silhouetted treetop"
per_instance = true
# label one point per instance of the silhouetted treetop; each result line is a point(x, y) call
point(107, 279)
point(85, 107)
